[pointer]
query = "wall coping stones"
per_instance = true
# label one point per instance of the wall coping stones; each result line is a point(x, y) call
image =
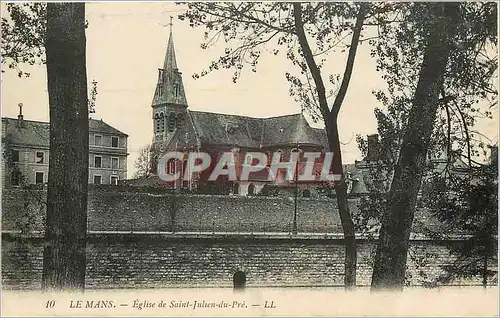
point(204, 236)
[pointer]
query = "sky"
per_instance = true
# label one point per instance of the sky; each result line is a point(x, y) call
point(126, 44)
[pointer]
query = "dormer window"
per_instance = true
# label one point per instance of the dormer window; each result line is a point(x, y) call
point(231, 128)
point(176, 89)
point(160, 76)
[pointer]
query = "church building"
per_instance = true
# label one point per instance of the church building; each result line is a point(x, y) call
point(177, 128)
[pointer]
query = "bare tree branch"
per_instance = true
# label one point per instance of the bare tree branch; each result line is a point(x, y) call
point(363, 9)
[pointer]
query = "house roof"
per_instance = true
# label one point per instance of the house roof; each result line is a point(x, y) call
point(33, 133)
point(100, 126)
point(36, 133)
point(251, 132)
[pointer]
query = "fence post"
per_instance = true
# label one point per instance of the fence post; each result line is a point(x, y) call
point(213, 227)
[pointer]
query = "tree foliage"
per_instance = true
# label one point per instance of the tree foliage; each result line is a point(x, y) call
point(468, 93)
point(468, 205)
point(144, 162)
point(23, 35)
point(250, 29)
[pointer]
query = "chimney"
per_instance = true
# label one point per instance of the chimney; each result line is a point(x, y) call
point(20, 117)
point(373, 148)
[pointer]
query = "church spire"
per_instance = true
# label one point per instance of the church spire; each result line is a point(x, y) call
point(169, 89)
point(170, 62)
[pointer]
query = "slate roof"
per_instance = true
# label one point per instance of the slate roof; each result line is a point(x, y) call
point(36, 133)
point(33, 133)
point(170, 88)
point(251, 132)
point(102, 127)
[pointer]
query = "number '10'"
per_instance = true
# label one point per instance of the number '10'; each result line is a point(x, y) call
point(50, 303)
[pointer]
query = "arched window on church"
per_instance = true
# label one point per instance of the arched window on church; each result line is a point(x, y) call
point(157, 123)
point(179, 121)
point(162, 123)
point(171, 122)
point(184, 167)
point(171, 165)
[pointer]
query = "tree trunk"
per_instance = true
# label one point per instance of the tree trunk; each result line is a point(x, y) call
point(343, 210)
point(330, 118)
point(390, 259)
point(66, 223)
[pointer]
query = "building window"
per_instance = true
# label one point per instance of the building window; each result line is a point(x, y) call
point(162, 122)
point(171, 165)
point(180, 121)
point(97, 162)
point(115, 163)
point(39, 157)
point(15, 155)
point(97, 179)
point(97, 140)
point(113, 180)
point(38, 177)
point(176, 89)
point(171, 122)
point(160, 75)
point(15, 178)
point(114, 142)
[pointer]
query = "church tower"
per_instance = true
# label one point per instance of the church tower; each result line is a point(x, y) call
point(169, 101)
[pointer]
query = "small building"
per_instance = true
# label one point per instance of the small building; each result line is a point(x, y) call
point(25, 149)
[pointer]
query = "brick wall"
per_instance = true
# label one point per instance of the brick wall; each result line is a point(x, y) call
point(111, 209)
point(150, 260)
point(147, 261)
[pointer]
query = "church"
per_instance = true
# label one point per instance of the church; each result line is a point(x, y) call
point(177, 128)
